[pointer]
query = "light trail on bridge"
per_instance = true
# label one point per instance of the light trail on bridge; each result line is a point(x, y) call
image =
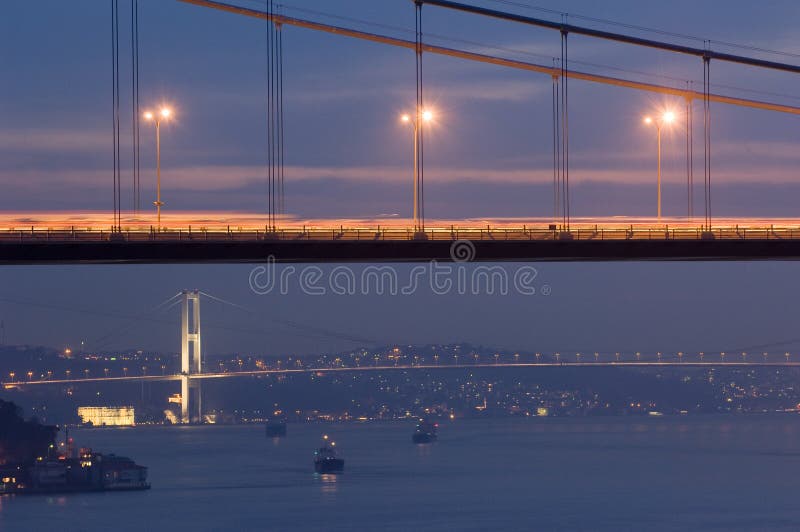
point(408, 367)
point(78, 238)
point(12, 224)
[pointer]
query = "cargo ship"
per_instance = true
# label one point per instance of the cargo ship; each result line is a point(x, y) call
point(325, 459)
point(425, 432)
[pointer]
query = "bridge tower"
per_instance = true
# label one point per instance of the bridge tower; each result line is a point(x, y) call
point(191, 354)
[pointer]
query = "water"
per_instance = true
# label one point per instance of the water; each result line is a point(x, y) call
point(669, 473)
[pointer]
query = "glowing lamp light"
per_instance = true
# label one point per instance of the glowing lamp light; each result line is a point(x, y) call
point(665, 118)
point(405, 118)
point(427, 116)
point(163, 114)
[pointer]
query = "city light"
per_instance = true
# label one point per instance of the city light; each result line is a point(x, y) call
point(107, 416)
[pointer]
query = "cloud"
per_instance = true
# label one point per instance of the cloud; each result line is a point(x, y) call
point(476, 90)
point(744, 161)
point(219, 178)
point(53, 140)
point(342, 94)
point(759, 152)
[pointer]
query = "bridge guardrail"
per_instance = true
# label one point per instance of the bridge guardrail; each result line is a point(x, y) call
point(665, 233)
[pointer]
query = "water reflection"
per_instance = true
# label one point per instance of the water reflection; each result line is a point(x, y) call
point(423, 449)
point(328, 482)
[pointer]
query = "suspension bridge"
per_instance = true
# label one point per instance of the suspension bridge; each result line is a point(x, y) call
point(191, 392)
point(193, 371)
point(562, 235)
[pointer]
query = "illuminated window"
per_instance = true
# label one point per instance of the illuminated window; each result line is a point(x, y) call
point(107, 415)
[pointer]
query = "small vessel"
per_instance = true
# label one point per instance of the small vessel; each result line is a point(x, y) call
point(425, 432)
point(30, 462)
point(325, 459)
point(90, 471)
point(276, 428)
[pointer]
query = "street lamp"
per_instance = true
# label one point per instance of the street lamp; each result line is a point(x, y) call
point(164, 114)
point(422, 117)
point(666, 118)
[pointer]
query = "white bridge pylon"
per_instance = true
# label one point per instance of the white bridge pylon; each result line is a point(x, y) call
point(191, 355)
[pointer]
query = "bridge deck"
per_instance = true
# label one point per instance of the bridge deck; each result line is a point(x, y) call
point(754, 362)
point(84, 240)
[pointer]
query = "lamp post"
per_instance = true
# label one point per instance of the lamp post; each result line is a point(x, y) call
point(164, 114)
point(416, 122)
point(666, 118)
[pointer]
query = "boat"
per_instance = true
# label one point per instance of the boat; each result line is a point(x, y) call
point(30, 462)
point(325, 459)
point(276, 428)
point(90, 471)
point(425, 432)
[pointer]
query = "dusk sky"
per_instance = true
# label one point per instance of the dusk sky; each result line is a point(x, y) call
point(489, 154)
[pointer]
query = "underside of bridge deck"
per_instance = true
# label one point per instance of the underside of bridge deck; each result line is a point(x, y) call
point(319, 251)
